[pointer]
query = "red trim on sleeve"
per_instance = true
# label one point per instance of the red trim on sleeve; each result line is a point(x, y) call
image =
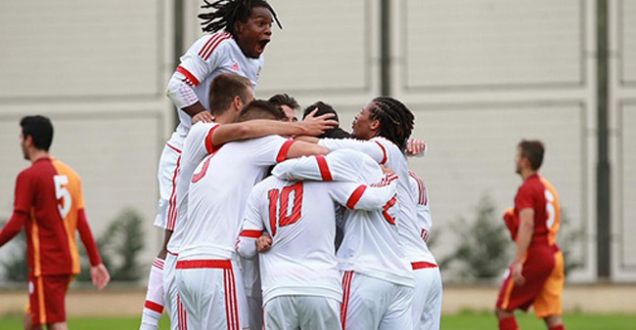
point(87, 238)
point(422, 264)
point(13, 227)
point(355, 196)
point(190, 78)
point(251, 233)
point(212, 43)
point(384, 156)
point(208, 140)
point(153, 306)
point(325, 173)
point(282, 154)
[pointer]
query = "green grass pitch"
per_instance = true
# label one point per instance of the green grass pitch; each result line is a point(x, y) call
point(461, 321)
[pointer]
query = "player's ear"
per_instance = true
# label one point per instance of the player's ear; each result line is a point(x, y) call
point(237, 103)
point(239, 27)
point(374, 125)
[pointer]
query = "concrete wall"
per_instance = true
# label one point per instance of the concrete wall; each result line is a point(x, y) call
point(479, 75)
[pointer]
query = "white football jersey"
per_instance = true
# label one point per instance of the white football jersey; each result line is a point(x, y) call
point(197, 145)
point(387, 153)
point(208, 57)
point(424, 219)
point(300, 218)
point(218, 191)
point(371, 243)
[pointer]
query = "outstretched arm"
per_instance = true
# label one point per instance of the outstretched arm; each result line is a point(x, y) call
point(262, 127)
point(365, 197)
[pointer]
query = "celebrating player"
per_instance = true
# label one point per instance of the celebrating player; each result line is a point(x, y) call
point(229, 93)
point(378, 281)
point(207, 278)
point(239, 32)
point(301, 287)
point(288, 104)
point(536, 274)
point(50, 205)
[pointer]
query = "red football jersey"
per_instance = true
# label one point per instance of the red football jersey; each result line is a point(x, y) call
point(538, 194)
point(50, 193)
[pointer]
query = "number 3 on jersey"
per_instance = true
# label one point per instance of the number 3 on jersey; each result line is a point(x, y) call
point(62, 195)
point(281, 212)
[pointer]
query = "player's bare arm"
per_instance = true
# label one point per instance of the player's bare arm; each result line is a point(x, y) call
point(524, 236)
point(262, 127)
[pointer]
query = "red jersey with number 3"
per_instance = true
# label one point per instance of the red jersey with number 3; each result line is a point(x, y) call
point(538, 194)
point(50, 193)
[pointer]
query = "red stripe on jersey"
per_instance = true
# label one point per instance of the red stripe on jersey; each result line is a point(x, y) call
point(384, 156)
point(325, 173)
point(153, 306)
point(421, 188)
point(190, 78)
point(282, 154)
point(207, 263)
point(355, 196)
point(210, 41)
point(422, 264)
point(173, 148)
point(212, 44)
point(158, 263)
point(208, 141)
point(172, 204)
point(251, 233)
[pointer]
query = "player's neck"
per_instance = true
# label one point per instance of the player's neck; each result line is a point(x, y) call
point(35, 155)
point(224, 118)
point(526, 173)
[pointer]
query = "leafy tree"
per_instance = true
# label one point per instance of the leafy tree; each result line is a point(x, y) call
point(484, 244)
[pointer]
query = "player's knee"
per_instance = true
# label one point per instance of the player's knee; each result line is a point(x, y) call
point(502, 314)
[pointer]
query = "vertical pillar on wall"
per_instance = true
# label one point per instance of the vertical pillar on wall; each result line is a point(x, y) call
point(177, 46)
point(385, 47)
point(603, 229)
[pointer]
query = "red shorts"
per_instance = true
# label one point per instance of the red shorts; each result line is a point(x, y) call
point(543, 273)
point(46, 298)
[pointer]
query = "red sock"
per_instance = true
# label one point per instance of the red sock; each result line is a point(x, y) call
point(557, 327)
point(509, 323)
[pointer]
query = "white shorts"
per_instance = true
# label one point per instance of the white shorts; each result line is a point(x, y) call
point(372, 303)
point(252, 284)
point(212, 293)
point(427, 301)
point(302, 312)
point(172, 301)
point(167, 171)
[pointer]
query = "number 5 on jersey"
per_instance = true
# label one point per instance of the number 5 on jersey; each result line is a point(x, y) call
point(62, 195)
point(282, 212)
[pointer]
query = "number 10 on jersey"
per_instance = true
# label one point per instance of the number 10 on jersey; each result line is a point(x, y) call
point(282, 212)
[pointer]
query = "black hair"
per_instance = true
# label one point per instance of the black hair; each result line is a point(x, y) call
point(40, 129)
point(225, 87)
point(324, 108)
point(284, 99)
point(396, 120)
point(532, 150)
point(226, 13)
point(261, 109)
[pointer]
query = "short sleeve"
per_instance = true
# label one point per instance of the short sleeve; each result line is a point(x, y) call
point(270, 150)
point(373, 148)
point(23, 193)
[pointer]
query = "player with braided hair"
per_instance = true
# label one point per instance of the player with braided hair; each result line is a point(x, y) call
point(239, 32)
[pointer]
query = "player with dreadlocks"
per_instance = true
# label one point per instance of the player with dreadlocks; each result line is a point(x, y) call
point(238, 32)
point(382, 128)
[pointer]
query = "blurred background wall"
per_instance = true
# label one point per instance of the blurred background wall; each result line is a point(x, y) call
point(479, 75)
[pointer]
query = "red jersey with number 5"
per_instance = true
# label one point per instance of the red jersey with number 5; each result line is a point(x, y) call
point(538, 194)
point(50, 193)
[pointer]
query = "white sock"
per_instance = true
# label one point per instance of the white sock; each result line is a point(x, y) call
point(153, 306)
